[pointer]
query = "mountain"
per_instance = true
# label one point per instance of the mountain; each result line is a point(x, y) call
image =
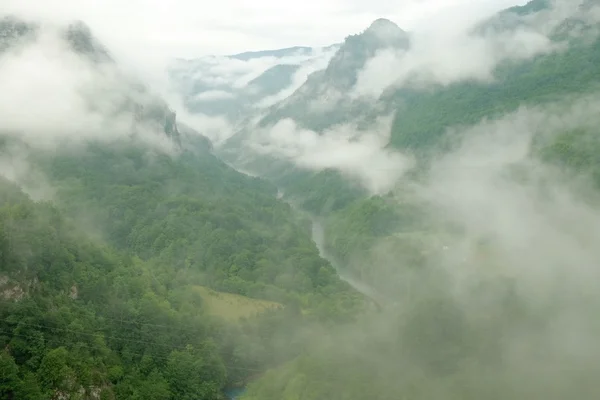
point(238, 85)
point(324, 100)
point(133, 262)
point(465, 291)
point(563, 32)
point(136, 264)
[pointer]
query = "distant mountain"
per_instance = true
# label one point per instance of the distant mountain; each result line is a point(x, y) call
point(424, 113)
point(278, 53)
point(238, 85)
point(325, 99)
point(554, 18)
point(564, 63)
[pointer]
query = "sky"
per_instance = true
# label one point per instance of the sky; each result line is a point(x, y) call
point(153, 29)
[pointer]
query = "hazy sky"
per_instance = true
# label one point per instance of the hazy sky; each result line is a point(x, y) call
point(189, 28)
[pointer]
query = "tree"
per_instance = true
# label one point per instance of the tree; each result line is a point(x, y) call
point(9, 377)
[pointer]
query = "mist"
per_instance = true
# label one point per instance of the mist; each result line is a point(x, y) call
point(437, 55)
point(358, 153)
point(439, 58)
point(58, 98)
point(501, 300)
point(52, 94)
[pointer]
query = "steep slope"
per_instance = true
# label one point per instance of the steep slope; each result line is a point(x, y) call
point(431, 123)
point(13, 32)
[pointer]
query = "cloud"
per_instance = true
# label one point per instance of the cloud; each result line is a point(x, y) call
point(439, 57)
point(307, 67)
point(144, 36)
point(539, 229)
point(496, 280)
point(217, 129)
point(15, 167)
point(474, 180)
point(51, 94)
point(152, 30)
point(218, 74)
point(360, 155)
point(211, 95)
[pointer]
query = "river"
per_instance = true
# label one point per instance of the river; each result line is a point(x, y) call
point(318, 236)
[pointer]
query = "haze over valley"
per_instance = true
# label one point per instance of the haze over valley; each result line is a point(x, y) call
point(355, 200)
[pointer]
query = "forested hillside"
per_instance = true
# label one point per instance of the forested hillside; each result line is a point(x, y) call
point(107, 275)
point(196, 215)
point(134, 264)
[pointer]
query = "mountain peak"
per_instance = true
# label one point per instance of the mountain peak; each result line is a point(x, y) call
point(385, 29)
point(383, 23)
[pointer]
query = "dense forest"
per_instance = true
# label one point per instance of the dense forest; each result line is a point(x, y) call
point(132, 271)
point(103, 285)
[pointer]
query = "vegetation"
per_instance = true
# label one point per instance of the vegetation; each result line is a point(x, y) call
point(430, 341)
point(82, 320)
point(105, 289)
point(208, 223)
point(545, 79)
point(146, 275)
point(233, 307)
point(427, 343)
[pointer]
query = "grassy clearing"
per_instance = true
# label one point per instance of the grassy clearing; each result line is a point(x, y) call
point(233, 307)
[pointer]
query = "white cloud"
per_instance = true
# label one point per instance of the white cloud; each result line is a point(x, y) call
point(145, 35)
point(51, 94)
point(361, 155)
point(185, 28)
point(211, 95)
point(538, 223)
point(448, 55)
point(307, 67)
point(235, 74)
